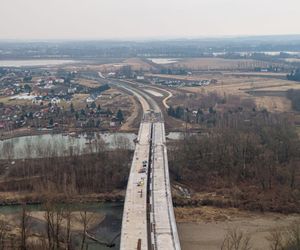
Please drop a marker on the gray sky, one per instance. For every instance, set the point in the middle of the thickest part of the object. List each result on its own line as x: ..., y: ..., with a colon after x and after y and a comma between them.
x: 99, y: 19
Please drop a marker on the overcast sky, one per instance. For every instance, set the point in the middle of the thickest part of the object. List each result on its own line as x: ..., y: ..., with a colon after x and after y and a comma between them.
x: 125, y: 19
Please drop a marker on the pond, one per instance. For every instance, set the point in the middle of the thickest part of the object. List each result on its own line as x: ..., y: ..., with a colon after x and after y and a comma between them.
x: 163, y: 60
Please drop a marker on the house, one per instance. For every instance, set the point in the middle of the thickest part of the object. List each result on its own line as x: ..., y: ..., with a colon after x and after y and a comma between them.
x: 264, y: 70
x: 72, y: 90
x: 55, y: 100
x: 61, y: 81
x: 49, y: 86
x: 90, y: 99
x: 2, y: 125
x: 8, y: 92
x: 195, y: 112
x: 114, y: 122
x: 140, y: 77
x: 37, y: 100
x: 111, y: 74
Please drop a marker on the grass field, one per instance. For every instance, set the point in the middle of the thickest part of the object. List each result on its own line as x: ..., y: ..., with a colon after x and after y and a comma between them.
x: 88, y: 83
x: 218, y: 64
x: 202, y: 64
x: 241, y: 86
x: 8, y: 101
x: 135, y: 63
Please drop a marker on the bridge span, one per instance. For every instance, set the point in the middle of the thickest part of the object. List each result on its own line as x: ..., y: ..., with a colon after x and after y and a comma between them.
x: 148, y: 216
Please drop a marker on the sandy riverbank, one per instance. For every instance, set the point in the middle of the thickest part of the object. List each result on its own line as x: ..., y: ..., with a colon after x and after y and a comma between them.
x: 205, y: 228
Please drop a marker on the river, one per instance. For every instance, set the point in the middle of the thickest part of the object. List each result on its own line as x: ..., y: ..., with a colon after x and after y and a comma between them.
x: 33, y: 63
x: 36, y: 145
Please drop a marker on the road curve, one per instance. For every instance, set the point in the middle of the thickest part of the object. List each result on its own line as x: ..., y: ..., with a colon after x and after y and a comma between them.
x: 164, y: 101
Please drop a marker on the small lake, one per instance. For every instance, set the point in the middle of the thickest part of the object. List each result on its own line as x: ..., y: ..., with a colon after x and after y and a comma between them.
x: 38, y: 146
x: 163, y: 60
x: 104, y: 231
x: 32, y: 63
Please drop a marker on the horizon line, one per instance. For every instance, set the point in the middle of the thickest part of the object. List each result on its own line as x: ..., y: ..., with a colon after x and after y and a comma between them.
x: 148, y: 39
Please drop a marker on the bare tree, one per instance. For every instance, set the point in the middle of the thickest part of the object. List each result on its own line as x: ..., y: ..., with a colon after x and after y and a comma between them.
x: 67, y: 214
x: 49, y: 223
x: 54, y: 217
x: 8, y: 150
x: 86, y: 219
x: 293, y: 236
x: 287, y: 238
x: 236, y: 240
x: 25, y: 226
x: 276, y: 239
x: 3, y: 234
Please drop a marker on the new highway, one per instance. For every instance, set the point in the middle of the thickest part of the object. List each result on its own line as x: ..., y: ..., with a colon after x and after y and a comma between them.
x: 148, y: 216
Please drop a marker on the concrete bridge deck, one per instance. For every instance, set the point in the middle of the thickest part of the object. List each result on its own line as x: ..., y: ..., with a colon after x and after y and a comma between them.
x: 148, y: 216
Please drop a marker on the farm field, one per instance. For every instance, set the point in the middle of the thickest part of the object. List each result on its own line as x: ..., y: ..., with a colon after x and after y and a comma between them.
x: 88, y: 83
x: 272, y: 98
x: 218, y: 64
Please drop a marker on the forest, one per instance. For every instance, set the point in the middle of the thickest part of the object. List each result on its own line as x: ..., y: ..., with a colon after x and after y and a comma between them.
x: 250, y: 159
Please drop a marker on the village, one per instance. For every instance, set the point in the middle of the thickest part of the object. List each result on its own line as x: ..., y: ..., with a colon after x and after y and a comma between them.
x: 36, y: 101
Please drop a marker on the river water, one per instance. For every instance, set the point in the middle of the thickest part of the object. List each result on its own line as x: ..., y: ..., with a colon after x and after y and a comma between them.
x: 37, y: 145
x: 33, y: 63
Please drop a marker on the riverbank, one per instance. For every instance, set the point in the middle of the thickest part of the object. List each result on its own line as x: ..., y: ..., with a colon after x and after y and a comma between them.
x: 199, y: 227
x: 30, y: 198
x: 204, y: 228
x: 100, y: 220
x: 74, y: 132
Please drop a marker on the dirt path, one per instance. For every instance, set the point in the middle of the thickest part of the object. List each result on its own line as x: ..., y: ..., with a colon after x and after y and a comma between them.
x: 164, y: 101
x: 129, y: 124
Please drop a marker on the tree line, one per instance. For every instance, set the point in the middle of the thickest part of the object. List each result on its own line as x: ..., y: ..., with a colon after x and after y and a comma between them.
x: 294, y: 75
x: 294, y: 96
